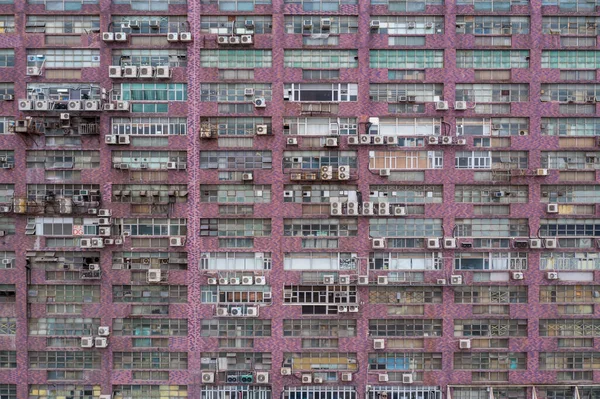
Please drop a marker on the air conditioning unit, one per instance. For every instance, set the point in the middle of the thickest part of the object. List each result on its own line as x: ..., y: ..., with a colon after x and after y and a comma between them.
x: 328, y: 279
x: 146, y: 72
x: 407, y: 378
x: 223, y: 39
x: 399, y: 211
x: 440, y: 281
x: 342, y: 309
x: 246, y: 39
x: 212, y: 281
x: 552, y: 276
x: 541, y: 172
x: 382, y: 208
x: 115, y: 71
x: 353, y: 140
x: 91, y: 105
x: 292, y: 141
x: 461, y: 142
x: 441, y: 105
x: 552, y: 208
x: 87, y: 342
x: 383, y: 378
x: 260, y: 280
x: 318, y: 380
x: 222, y: 312
x: 163, y: 72
x: 325, y: 23
x: 25, y: 105
x: 363, y: 280
x: 108, y: 36
x: 176, y: 242
x: 335, y: 208
x: 375, y: 24
x: 535, y: 243
x: 104, y: 231
x: 252, y: 311
x: 306, y: 378
x: 523, y: 132
x: 153, y: 276
x: 390, y: 140
x: 365, y: 139
x: 260, y: 102
x: 262, y: 377
x: 208, y: 378
x: 42, y: 105
x: 353, y: 309
x: 120, y: 37
x: 331, y: 142
x: 172, y: 165
x: 382, y: 280
x: 384, y: 172
x: 378, y: 243
x: 104, y: 331
x: 517, y: 276
x: 110, y: 139
x: 104, y: 221
x: 550, y: 243
x: 367, y: 208
x: 247, y: 280
x: 104, y: 213
x: 4, y: 209
x: 130, y: 72
x: 101, y: 342
x: 346, y: 377
x: 247, y: 176
x: 378, y: 140
x: 307, y: 24
x: 235, y: 281
x: 286, y: 371
x: 464, y: 344
x: 344, y: 280
x: 122, y: 105
x: 32, y: 71
x: 85, y: 243
x: 460, y: 105
x: 456, y: 279
x: 123, y: 139
x: 173, y: 37
x: 109, y: 107
x: 105, y: 397
x: 446, y: 140
x: 379, y: 343
x: 433, y: 243
x: 234, y: 40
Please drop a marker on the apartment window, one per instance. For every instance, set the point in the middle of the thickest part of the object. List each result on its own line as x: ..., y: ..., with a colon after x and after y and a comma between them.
x: 234, y: 127
x: 319, y: 328
x: 488, y: 93
x: 491, y: 195
x: 235, y: 160
x: 149, y: 293
x: 577, y: 75
x: 406, y: 194
x: 479, y: 328
x: 473, y: 160
x: 490, y: 261
x: 7, y: 125
x: 402, y: 295
x: 484, y: 392
x: 78, y: 391
x: 571, y: 5
x: 409, y: 25
x: 333, y: 361
x: 149, y: 159
x: 321, y: 5
x: 490, y: 294
x: 490, y: 361
x: 571, y: 59
x: 408, y: 74
x: 59, y: 5
x: 150, y: 5
x: 65, y: 360
x: 568, y: 360
x: 320, y: 59
x: 236, y: 328
x: 494, y: 5
x: 294, y: 24
x: 236, y: 260
x: 65, y: 326
x: 150, y: 360
x: 314, y: 126
x: 380, y: 227
x: 405, y: 328
x: 153, y: 91
x: 235, y: 227
x: 63, y: 159
x: 63, y: 58
x: 569, y: 328
x: 492, y: 126
x: 149, y: 24
x: 404, y: 261
x: 492, y: 59
x: 570, y: 92
x: 149, y: 327
x: 224, y: 295
x: 319, y: 261
x: 321, y: 92
x: 218, y: 24
x: 153, y: 57
x: 7, y: 88
x: 570, y: 261
x: 398, y: 160
x: 393, y: 93
x: 59, y: 293
x: 321, y: 74
x: 150, y: 391
x: 406, y: 6
x: 569, y: 194
x: 241, y: 361
x: 492, y: 24
x: 236, y: 58
x: 7, y: 22
x: 234, y: 92
x: 570, y: 160
x: 320, y: 294
x: 571, y: 25
x: 392, y: 361
x: 492, y: 228
x: 230, y: 193
x: 7, y: 58
x: 320, y: 227
x: 236, y: 243
x: 570, y: 227
x: 152, y: 226
x: 578, y: 42
x: 149, y: 260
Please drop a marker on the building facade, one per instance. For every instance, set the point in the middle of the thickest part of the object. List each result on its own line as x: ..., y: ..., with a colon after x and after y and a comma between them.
x: 299, y: 199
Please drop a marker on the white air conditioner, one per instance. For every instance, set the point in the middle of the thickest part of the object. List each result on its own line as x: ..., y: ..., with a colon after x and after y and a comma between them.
x: 261, y: 130
x: 346, y: 377
x: 541, y: 172
x: 110, y: 139
x: 212, y: 281
x: 246, y: 39
x: 378, y: 243
x: 173, y: 37
x: 456, y: 279
x: 146, y: 72
x: 87, y: 342
x: 342, y: 309
x: 384, y: 172
x: 25, y: 105
x: 329, y: 279
x: 115, y: 71
x: 104, y: 221
x: 365, y: 139
x: 325, y: 23
x: 460, y: 105
x: 353, y: 140
x: 306, y: 378
x: 449, y: 243
x: 91, y: 105
x: 307, y: 24
x: 464, y: 344
x: 331, y: 142
x: 208, y: 378
x: 552, y: 276
x: 552, y: 208
x: 292, y: 141
x: 375, y: 24
x: 109, y: 107
x: 440, y: 281
x: 446, y: 140
x: 42, y: 105
x: 432, y: 140
x: 260, y: 280
x: 154, y: 276
x: 104, y: 231
x: 176, y: 242
x: 550, y: 243
x: 382, y: 209
x: 108, y: 36
x: 363, y: 280
x: 120, y: 37
x: 399, y: 211
x: 391, y: 140
x: 247, y: 176
x: 247, y: 280
x: 344, y: 280
x: 252, y: 311
x: 407, y: 378
x: 461, y: 142
x: 104, y: 331
x: 32, y: 71
x: 379, y: 343
x: 285, y: 371
x: 535, y: 243
x: 382, y: 280
x: 383, y: 378
x: 517, y: 276
x: 123, y: 139
x: 122, y: 105
x: 260, y: 102
x: 234, y: 40
x: 262, y: 377
x: 101, y: 342
x: 85, y: 243
x: 130, y: 72
x: 172, y: 165
x: 318, y: 380
x: 223, y: 40
x: 163, y: 72
x: 367, y: 208
x: 378, y: 140
x: 222, y: 312
x: 104, y: 213
x: 441, y: 105
x: 235, y: 281
x: 185, y: 37
x: 433, y: 243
